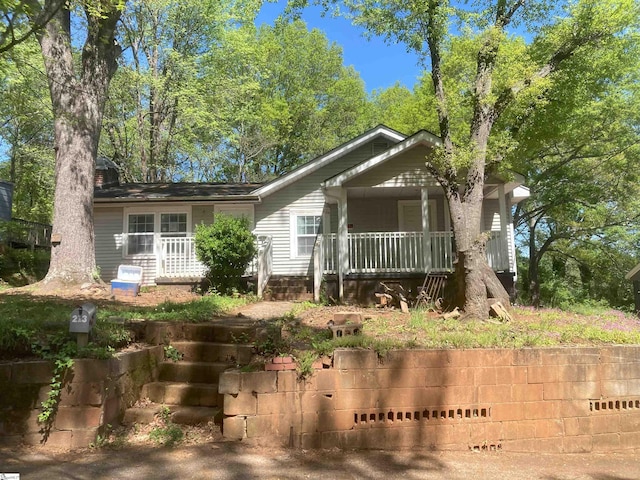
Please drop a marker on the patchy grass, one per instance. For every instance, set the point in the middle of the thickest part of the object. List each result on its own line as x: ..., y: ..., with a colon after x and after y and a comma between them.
x: 36, y: 326
x: 530, y: 328
x: 387, y: 330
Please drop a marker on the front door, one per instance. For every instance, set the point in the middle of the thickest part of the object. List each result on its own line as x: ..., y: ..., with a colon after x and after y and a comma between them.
x: 410, y: 215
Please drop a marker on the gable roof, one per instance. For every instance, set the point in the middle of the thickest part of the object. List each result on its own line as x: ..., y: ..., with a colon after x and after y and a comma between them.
x: 322, y: 160
x: 421, y: 137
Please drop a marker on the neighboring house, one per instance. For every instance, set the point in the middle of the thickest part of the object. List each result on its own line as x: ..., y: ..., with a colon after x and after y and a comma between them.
x: 634, y: 276
x: 6, y: 197
x: 365, y: 211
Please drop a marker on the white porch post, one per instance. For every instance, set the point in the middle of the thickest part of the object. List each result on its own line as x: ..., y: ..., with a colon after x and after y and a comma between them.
x: 343, y: 244
x: 504, y: 247
x: 426, y: 236
x: 318, y: 267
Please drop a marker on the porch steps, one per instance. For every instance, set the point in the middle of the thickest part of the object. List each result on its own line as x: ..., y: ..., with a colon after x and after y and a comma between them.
x: 235, y: 353
x: 289, y: 288
x: 189, y: 387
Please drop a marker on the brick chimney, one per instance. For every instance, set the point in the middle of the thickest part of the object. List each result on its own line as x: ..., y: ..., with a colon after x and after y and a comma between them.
x: 106, y: 173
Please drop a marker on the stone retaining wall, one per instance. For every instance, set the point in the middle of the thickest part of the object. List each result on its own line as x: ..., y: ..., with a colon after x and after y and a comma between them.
x: 529, y: 400
x: 95, y: 394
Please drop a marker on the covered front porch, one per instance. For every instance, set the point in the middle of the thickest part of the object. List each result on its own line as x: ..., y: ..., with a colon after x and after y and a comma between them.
x: 417, y: 236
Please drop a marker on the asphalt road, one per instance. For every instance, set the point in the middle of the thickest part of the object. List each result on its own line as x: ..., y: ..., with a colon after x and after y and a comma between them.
x: 237, y: 461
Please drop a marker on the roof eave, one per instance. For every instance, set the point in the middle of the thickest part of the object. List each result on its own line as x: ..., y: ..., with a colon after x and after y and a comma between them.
x: 209, y: 198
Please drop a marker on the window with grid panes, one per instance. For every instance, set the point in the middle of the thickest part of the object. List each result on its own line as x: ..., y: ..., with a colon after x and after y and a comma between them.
x: 140, y: 234
x: 307, y: 227
x: 173, y: 224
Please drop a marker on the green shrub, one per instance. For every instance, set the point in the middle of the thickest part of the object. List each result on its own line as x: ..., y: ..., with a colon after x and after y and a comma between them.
x: 226, y: 248
x: 22, y: 266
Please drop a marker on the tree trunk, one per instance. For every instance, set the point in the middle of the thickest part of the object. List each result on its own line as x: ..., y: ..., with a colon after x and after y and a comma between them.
x: 78, y: 104
x: 475, y: 280
x: 534, y: 280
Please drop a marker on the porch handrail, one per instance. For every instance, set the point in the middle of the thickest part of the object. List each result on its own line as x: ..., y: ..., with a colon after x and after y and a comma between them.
x: 265, y: 262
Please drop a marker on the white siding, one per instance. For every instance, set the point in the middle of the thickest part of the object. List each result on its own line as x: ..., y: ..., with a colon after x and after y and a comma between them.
x: 406, y: 170
x: 273, y: 215
x: 108, y: 223
x: 201, y: 214
x: 491, y: 222
x: 372, y: 215
x: 109, y: 238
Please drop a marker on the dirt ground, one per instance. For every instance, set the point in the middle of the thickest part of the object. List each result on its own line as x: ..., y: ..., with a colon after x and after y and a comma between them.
x: 236, y: 460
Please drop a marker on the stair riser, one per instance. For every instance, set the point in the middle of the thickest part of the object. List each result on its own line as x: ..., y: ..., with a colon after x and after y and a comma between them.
x: 158, y: 333
x: 179, y: 415
x: 184, y: 394
x: 190, y: 373
x: 219, y: 333
x: 210, y: 352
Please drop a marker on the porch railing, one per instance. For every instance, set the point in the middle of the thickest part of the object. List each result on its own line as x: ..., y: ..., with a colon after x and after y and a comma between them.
x: 178, y: 258
x: 25, y: 233
x: 382, y: 252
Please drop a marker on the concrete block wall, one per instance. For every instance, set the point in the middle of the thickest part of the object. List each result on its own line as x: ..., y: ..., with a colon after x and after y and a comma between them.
x: 582, y: 399
x: 95, y: 394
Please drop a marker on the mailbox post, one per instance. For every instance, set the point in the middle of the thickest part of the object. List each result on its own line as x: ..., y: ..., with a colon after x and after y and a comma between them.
x: 81, y: 322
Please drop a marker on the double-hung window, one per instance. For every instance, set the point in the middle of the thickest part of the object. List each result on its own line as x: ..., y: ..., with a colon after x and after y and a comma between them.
x: 306, y: 228
x: 173, y: 224
x: 145, y: 229
x: 140, y: 234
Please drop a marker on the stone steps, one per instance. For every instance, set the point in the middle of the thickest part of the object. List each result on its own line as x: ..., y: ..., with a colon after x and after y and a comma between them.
x: 196, y: 351
x: 192, y: 372
x: 180, y: 414
x: 235, y: 331
x: 189, y: 387
x: 178, y: 393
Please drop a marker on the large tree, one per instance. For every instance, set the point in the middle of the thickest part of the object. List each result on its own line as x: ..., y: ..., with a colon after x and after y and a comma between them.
x: 463, y: 161
x: 157, y: 119
x: 294, y: 99
x: 26, y: 132
x: 78, y: 89
x: 580, y: 155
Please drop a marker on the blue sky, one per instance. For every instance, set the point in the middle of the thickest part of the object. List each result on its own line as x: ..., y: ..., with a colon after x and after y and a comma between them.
x: 380, y: 65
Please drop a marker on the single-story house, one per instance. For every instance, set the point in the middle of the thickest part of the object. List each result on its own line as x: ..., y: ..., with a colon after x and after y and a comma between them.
x: 364, y: 211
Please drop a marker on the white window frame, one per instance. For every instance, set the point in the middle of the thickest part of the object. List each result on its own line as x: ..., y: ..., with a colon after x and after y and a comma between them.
x: 156, y: 211
x: 294, y: 229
